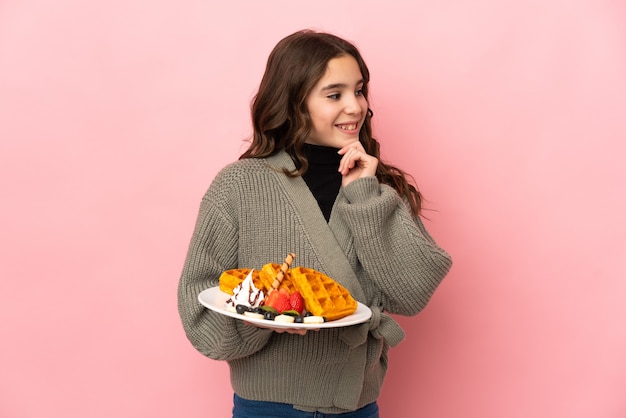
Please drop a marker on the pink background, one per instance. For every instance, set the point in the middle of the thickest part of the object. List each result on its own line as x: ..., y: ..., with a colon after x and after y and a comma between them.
x: 115, y: 116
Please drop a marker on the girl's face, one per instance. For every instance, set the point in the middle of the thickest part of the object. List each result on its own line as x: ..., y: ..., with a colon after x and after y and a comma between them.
x: 336, y: 104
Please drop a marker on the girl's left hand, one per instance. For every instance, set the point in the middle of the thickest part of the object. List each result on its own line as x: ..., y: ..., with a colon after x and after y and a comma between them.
x: 356, y: 163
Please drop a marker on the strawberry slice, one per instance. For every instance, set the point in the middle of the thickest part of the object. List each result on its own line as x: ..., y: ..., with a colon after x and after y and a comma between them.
x: 279, y: 300
x: 271, y: 299
x: 297, y: 302
x: 282, y: 303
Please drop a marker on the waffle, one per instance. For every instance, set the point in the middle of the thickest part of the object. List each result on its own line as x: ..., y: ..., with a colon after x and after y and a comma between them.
x: 268, y: 274
x: 322, y: 295
x: 230, y: 279
x: 262, y: 279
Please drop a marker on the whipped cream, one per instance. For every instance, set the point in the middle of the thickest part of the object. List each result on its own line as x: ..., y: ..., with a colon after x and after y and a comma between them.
x: 246, y: 293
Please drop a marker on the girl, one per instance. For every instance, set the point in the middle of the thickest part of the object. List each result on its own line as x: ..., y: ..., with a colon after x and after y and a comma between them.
x: 311, y: 183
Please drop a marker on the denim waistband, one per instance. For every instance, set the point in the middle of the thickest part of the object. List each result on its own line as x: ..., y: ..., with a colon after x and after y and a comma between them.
x: 245, y: 408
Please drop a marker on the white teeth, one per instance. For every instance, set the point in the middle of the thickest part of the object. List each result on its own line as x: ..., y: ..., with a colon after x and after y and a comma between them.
x: 347, y: 127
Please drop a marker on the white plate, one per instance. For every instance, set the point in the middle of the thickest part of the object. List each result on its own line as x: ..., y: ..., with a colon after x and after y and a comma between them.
x: 215, y: 300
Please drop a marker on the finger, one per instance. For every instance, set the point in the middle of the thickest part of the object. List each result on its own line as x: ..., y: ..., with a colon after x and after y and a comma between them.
x: 351, y: 153
x: 346, y: 163
x: 299, y: 331
x: 354, y: 145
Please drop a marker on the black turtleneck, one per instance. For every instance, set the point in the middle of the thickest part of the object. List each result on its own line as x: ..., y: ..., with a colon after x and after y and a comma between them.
x: 322, y: 176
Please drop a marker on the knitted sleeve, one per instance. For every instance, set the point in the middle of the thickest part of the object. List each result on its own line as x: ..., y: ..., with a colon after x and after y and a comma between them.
x: 395, y: 252
x: 211, y: 251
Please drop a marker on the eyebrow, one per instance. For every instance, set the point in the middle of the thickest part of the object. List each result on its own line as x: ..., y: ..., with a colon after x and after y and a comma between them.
x: 340, y: 85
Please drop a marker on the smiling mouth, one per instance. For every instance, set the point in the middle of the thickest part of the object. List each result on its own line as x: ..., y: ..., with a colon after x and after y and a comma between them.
x: 350, y: 127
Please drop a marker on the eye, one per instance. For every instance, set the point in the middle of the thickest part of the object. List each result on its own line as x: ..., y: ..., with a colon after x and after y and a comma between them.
x: 359, y: 92
x: 334, y: 96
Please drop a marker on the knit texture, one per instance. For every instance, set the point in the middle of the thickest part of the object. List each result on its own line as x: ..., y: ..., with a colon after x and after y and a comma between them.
x: 253, y: 214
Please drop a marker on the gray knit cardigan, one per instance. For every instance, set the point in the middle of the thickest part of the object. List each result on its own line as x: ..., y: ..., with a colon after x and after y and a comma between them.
x: 253, y: 214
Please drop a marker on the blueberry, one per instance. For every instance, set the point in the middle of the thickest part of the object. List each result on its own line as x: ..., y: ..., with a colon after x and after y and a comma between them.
x: 241, y: 309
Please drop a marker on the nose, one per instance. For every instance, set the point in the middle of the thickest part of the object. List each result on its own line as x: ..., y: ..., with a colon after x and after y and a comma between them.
x: 352, y: 105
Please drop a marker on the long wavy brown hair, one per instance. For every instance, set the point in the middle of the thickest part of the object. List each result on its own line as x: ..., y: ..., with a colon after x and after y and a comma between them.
x: 280, y: 116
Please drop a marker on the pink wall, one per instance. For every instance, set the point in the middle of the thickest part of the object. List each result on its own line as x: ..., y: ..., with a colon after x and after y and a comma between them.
x: 115, y: 116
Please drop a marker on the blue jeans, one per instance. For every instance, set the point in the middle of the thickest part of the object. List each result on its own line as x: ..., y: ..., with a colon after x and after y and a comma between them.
x: 245, y: 408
